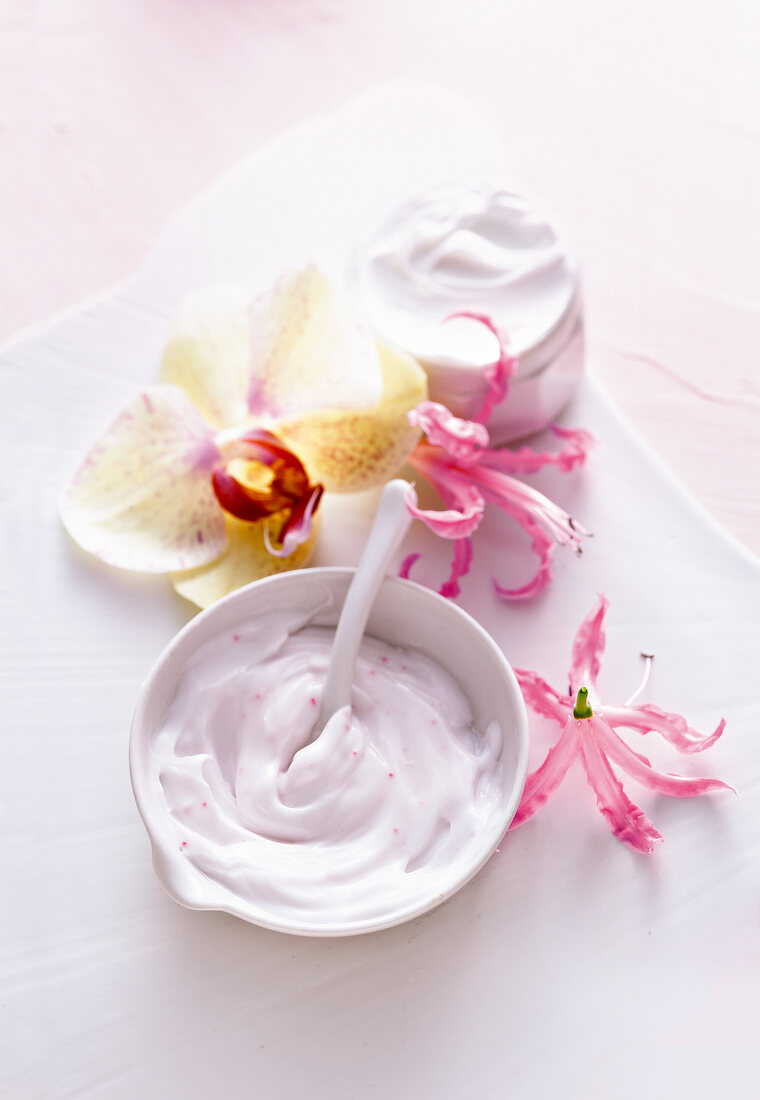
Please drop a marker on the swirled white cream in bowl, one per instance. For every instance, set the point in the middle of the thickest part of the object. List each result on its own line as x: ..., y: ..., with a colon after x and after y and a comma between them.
x: 486, y: 251
x: 389, y: 811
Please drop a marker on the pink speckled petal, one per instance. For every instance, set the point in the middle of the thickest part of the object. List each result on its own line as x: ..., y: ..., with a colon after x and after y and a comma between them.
x: 246, y: 559
x: 588, y: 647
x: 527, y: 461
x: 627, y: 822
x: 641, y: 770
x: 309, y: 351
x: 463, y: 441
x: 541, y: 783
x: 675, y: 729
x: 207, y: 353
x: 542, y: 698
x: 142, y: 499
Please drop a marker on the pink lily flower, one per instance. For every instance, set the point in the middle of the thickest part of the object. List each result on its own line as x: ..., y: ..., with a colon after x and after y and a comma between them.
x: 456, y: 459
x: 592, y: 735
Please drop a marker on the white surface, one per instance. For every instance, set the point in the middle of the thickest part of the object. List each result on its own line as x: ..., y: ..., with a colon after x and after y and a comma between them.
x: 569, y: 965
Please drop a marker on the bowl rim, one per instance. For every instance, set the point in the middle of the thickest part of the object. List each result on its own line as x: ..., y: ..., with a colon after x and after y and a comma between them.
x: 225, y: 900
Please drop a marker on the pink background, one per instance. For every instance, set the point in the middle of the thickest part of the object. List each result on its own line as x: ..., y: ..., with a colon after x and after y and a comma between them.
x: 640, y: 130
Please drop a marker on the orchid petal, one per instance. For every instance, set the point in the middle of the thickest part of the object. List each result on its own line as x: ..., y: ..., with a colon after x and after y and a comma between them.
x: 308, y: 351
x: 527, y: 461
x: 639, y: 768
x: 352, y: 450
x: 588, y: 647
x: 674, y: 728
x: 541, y: 783
x: 297, y: 527
x: 246, y: 559
x: 207, y: 353
x: 541, y: 697
x: 464, y: 441
x: 627, y: 822
x: 142, y: 498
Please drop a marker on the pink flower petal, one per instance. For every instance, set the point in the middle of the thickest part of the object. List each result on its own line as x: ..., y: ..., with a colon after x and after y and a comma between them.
x: 308, y: 351
x: 588, y: 647
x: 639, y: 768
x: 541, y: 697
x: 541, y: 783
x: 527, y: 461
x: 142, y: 499
x: 627, y: 821
x: 465, y: 510
x: 542, y: 520
x: 406, y: 565
x: 456, y: 491
x: 464, y: 441
x: 498, y: 374
x: 460, y: 567
x: 675, y: 729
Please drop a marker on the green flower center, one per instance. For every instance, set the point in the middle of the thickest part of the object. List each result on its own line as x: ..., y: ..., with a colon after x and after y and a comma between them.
x: 581, y: 708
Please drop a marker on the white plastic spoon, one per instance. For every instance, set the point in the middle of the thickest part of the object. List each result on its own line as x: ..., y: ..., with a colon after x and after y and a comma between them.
x: 391, y: 523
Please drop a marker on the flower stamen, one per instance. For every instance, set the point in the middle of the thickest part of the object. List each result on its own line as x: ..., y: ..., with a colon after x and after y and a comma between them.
x: 648, y: 658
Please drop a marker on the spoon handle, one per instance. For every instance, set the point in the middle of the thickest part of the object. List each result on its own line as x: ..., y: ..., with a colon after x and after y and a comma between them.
x: 391, y: 523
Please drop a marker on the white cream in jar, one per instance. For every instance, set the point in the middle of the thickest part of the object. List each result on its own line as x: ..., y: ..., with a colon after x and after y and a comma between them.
x: 390, y: 804
x: 487, y: 251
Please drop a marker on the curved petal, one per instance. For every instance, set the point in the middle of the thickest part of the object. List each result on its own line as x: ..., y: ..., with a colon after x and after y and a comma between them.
x: 296, y: 530
x: 464, y: 501
x: 460, y: 567
x: 675, y: 729
x: 541, y: 697
x: 207, y: 353
x: 405, y: 568
x: 527, y: 461
x: 309, y: 351
x: 498, y: 374
x: 543, y: 546
x: 627, y: 821
x: 639, y: 769
x: 464, y: 441
x: 526, y: 506
x: 541, y: 783
x: 246, y: 559
x: 142, y: 499
x: 588, y: 647
x: 348, y: 451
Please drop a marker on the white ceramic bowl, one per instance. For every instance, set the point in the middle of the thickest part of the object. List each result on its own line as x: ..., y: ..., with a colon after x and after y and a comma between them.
x: 405, y: 614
